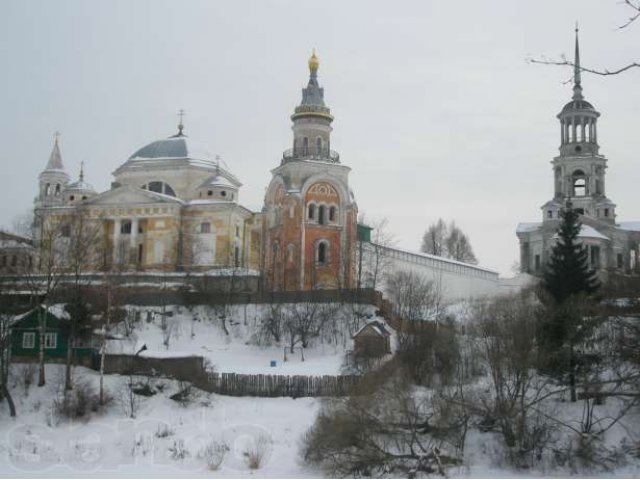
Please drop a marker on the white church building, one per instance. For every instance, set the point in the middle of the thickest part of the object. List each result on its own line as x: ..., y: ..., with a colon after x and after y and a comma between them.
x: 579, y: 178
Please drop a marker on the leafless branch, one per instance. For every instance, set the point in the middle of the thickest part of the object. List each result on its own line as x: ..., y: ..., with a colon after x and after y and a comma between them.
x: 636, y: 8
x: 567, y: 63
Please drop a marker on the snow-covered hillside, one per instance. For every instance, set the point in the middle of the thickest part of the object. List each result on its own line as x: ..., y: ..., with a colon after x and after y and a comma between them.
x: 199, y: 331
x: 167, y: 439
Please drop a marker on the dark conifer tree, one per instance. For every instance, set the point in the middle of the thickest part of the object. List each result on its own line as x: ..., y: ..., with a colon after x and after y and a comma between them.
x: 566, y: 321
x: 568, y: 272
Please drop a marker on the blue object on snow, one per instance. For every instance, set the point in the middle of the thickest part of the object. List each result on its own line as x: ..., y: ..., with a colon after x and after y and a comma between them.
x: 273, y: 363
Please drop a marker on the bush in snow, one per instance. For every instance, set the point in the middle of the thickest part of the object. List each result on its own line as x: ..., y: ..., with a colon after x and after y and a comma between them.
x: 256, y: 451
x: 164, y: 430
x: 78, y: 402
x: 178, y: 451
x: 213, y: 453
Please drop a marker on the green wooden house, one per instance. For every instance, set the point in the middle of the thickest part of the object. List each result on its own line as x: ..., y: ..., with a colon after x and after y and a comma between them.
x: 25, y: 338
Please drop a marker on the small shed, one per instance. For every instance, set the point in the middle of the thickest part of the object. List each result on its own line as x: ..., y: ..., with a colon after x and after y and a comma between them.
x: 25, y: 337
x: 372, y: 340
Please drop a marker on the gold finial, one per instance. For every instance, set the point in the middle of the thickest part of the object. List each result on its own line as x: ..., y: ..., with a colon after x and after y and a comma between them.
x: 314, y: 63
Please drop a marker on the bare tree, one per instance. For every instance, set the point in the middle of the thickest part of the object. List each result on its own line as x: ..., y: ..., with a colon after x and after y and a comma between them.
x: 84, y: 253
x: 374, y: 260
x: 6, y: 317
x: 458, y: 246
x: 414, y: 297
x: 449, y: 241
x: 434, y: 239
x: 389, y: 431
x: 51, y: 241
x: 506, y: 328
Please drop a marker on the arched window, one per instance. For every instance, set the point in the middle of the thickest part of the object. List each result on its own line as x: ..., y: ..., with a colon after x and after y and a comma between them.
x: 159, y: 187
x: 305, y: 146
x: 321, y: 219
x: 332, y: 214
x: 312, y: 211
x: 47, y: 189
x: 579, y: 184
x: 57, y: 189
x: 205, y: 227
x: 319, y: 146
x: 290, y: 253
x: 322, y: 253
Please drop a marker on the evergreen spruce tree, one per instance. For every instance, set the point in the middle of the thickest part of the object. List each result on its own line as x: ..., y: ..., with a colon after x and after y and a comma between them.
x: 566, y: 320
x: 568, y: 272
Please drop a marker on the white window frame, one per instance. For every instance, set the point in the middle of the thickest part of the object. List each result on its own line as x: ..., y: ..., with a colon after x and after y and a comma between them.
x: 32, y: 340
x: 50, y: 340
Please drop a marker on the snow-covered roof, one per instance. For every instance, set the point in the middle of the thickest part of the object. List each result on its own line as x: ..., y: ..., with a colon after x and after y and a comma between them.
x: 588, y: 232
x: 629, y: 226
x: 376, y: 326
x: 525, y: 227
x: 219, y: 181
x: 173, y: 147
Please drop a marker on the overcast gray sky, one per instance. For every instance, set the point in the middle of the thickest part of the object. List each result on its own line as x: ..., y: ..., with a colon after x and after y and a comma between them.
x: 436, y: 110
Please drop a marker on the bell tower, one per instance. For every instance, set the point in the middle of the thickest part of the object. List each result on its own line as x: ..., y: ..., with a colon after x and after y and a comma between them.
x: 310, y: 212
x: 579, y: 170
x: 53, y: 179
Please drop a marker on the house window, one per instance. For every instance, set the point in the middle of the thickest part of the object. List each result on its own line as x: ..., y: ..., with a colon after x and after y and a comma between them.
x: 606, y: 212
x: 50, y: 340
x: 72, y: 198
x: 65, y: 231
x: 125, y: 227
x: 620, y: 261
x: 537, y: 263
x: 549, y: 214
x: 210, y: 193
x: 312, y: 211
x: 319, y: 146
x: 205, y: 227
x: 305, y: 146
x: 28, y: 340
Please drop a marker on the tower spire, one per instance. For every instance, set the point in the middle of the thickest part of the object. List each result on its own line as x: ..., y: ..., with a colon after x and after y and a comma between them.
x: 180, y: 124
x: 577, y: 81
x: 55, y: 159
x: 82, y: 171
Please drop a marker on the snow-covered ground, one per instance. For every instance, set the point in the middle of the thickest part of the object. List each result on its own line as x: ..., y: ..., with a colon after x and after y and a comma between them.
x: 36, y: 444
x: 199, y: 331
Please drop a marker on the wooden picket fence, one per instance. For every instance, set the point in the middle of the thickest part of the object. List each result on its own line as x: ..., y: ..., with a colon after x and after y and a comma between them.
x: 259, y: 385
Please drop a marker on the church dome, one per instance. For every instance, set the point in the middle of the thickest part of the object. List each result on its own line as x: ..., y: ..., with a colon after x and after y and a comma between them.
x: 578, y: 105
x: 80, y: 186
x: 177, y: 146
